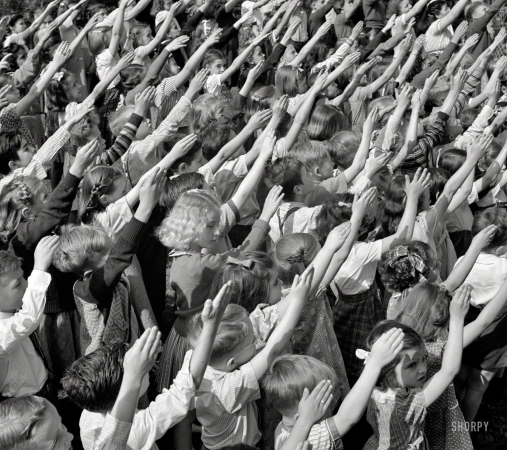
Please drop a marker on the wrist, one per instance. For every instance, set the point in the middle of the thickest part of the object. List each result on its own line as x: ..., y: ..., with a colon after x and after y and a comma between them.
x: 41, y: 266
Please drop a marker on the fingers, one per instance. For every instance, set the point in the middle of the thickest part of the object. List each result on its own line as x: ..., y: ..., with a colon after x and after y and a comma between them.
x: 223, y: 297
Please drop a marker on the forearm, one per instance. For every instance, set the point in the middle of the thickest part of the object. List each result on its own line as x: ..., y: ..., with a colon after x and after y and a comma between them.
x: 305, y: 51
x: 461, y: 271
x: 201, y: 354
x: 451, y: 360
x: 250, y: 182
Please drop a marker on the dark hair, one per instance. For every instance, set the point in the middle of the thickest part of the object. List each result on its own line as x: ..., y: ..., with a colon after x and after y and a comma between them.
x: 131, y: 76
x: 93, y: 381
x: 439, y: 177
x: 177, y: 186
x: 14, y: 18
x: 411, y: 339
x: 285, y: 172
x: 451, y: 160
x: 170, y: 142
x: 10, y: 143
x: 401, y: 275
x: 334, y: 212
x: 467, y: 117
x: 250, y: 286
x: 492, y: 216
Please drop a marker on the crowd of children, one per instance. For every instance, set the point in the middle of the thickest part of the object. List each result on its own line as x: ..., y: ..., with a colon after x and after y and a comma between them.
x: 259, y: 224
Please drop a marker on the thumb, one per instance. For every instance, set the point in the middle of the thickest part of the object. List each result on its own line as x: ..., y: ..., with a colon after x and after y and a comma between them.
x: 306, y: 394
x: 206, y: 312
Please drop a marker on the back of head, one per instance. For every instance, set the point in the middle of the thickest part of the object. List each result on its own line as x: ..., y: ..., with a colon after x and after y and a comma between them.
x: 16, y: 205
x: 387, y: 378
x: 293, y: 254
x: 187, y: 219
x: 132, y: 76
x: 335, y: 211
x: 439, y: 178
x: 324, y: 123
x: 439, y: 92
x: 260, y: 98
x: 168, y: 144
x: 175, y: 187
x: 492, y: 216
x: 20, y: 420
x: 289, y: 375
x: 402, y: 267
x: 394, y: 205
x: 77, y: 245
x: 285, y: 172
x: 286, y: 81
x: 56, y: 93
x: 250, y: 278
x: 346, y: 144
x: 452, y: 160
x: 119, y: 118
x: 10, y: 144
x: 232, y: 331
x: 310, y: 153
x: 93, y: 381
x: 98, y: 40
x: 80, y: 132
x: 97, y: 182
x: 426, y: 310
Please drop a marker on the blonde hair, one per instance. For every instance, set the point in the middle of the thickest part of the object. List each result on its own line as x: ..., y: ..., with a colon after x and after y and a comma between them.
x: 187, y: 219
x: 232, y: 331
x: 311, y: 154
x: 135, y: 33
x: 207, y: 108
x: 293, y: 254
x: 286, y: 81
x: 77, y: 245
x: 119, y: 118
x: 98, y: 41
x: 288, y: 377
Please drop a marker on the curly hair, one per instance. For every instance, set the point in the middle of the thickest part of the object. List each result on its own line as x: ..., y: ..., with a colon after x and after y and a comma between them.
x: 250, y: 285
x: 285, y: 172
x: 56, y: 93
x: 492, y: 216
x: 10, y: 144
x: 400, y: 275
x: 16, y: 206
x: 80, y: 132
x: 187, y: 219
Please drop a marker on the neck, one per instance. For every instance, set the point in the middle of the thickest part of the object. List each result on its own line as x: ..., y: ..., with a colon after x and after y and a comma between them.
x: 298, y: 198
x: 194, y: 247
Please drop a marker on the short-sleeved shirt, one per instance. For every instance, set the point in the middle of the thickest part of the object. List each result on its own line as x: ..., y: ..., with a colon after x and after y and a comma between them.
x: 436, y: 38
x: 225, y: 406
x: 303, y: 220
x: 322, y: 436
x: 357, y: 273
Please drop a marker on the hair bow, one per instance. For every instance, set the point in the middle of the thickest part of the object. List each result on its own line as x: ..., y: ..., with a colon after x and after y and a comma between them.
x: 58, y: 76
x: 346, y: 205
x: 205, y: 28
x: 246, y: 263
x: 363, y: 354
x: 415, y: 260
x: 295, y: 258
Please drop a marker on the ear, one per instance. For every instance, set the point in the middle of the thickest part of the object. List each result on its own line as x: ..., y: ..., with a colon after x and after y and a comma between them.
x: 316, y: 171
x: 231, y: 363
x: 103, y: 199
x: 182, y: 168
x: 13, y: 164
x: 298, y: 189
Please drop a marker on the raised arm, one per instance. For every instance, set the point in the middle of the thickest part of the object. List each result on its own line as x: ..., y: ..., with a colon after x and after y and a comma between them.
x: 38, y: 22
x: 149, y: 48
x: 118, y: 28
x: 453, y: 14
x: 305, y: 51
x: 285, y: 19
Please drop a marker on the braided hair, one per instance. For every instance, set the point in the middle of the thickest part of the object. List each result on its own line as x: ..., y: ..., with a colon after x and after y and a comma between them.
x: 97, y: 182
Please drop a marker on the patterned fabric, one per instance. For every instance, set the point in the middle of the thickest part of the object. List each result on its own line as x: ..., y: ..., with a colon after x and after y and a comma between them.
x: 314, y: 336
x: 173, y: 355
x: 214, y: 86
x: 354, y: 318
x: 397, y: 418
x: 445, y: 425
x: 9, y: 121
x: 415, y: 260
x: 59, y: 339
x: 322, y: 436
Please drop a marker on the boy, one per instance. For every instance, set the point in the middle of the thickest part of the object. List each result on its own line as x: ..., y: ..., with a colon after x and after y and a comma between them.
x: 93, y: 383
x: 22, y: 369
x: 225, y: 404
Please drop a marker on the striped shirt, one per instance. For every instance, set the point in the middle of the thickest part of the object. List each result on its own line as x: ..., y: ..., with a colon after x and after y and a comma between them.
x: 42, y: 160
x: 226, y: 409
x: 323, y: 436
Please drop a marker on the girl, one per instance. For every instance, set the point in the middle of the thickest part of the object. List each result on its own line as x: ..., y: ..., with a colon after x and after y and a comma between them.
x: 358, y: 306
x: 484, y: 357
x: 430, y: 222
x: 290, y: 81
x: 398, y: 405
x: 193, y: 225
x: 429, y: 304
x: 215, y: 62
x: 441, y: 17
x: 325, y: 122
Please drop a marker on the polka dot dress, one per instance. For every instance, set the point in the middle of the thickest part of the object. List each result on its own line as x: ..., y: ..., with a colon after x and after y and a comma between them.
x: 445, y: 425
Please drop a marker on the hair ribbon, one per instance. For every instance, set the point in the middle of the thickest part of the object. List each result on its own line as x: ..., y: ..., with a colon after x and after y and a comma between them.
x: 58, y: 76
x: 246, y: 263
x: 415, y: 260
x: 206, y: 28
x: 346, y: 205
x: 363, y: 354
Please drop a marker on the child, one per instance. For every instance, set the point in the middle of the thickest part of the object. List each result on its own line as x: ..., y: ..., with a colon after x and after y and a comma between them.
x: 93, y: 382
x: 24, y: 369
x: 225, y: 403
x: 102, y: 294
x: 358, y: 306
x: 290, y: 379
x: 397, y: 408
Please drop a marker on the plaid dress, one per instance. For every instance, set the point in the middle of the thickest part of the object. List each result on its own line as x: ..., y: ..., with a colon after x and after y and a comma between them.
x: 354, y: 318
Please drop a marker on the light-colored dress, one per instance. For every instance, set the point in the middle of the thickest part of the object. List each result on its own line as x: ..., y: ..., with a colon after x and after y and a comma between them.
x: 397, y: 418
x: 445, y: 425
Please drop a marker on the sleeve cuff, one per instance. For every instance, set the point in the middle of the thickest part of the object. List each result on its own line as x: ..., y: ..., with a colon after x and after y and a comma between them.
x: 333, y: 430
x: 39, y: 280
x: 235, y: 210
